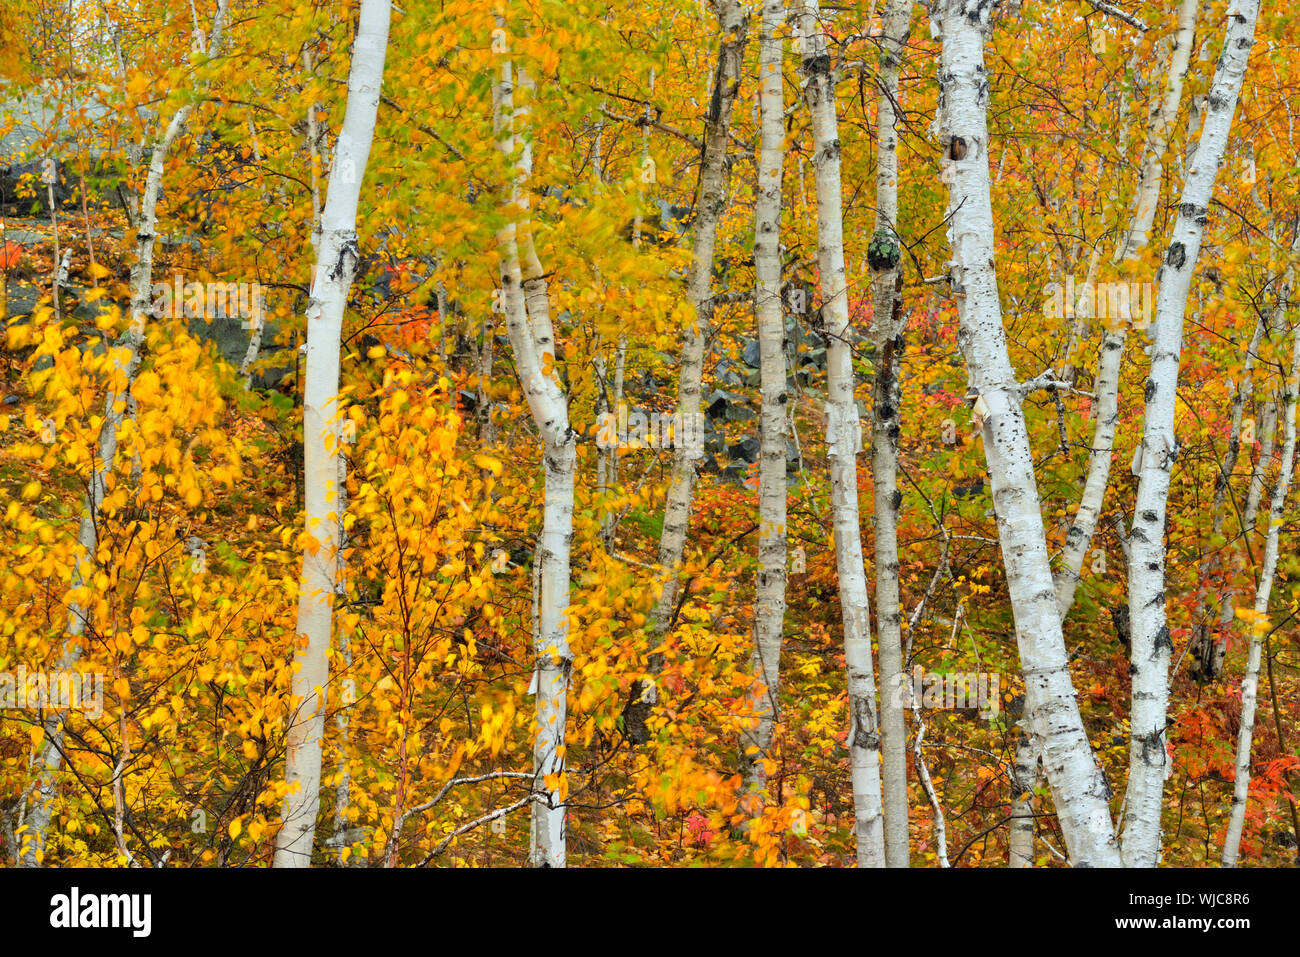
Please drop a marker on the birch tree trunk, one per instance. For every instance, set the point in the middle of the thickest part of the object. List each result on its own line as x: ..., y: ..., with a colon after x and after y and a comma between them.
x: 715, y: 174
x: 1148, y: 192
x: 887, y: 329
x: 528, y: 323
x: 1052, y: 715
x: 1079, y: 538
x: 1151, y: 644
x: 35, y: 823
x: 1267, y: 437
x: 1250, y: 681
x: 1201, y: 648
x: 769, y: 599
x: 844, y: 441
x: 1020, y: 851
x: 1267, y: 433
x: 336, y: 263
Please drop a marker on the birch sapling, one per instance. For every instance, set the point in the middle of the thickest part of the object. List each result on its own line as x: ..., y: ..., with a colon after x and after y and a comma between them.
x: 336, y: 264
x: 1110, y: 355
x: 1259, y: 622
x: 715, y: 174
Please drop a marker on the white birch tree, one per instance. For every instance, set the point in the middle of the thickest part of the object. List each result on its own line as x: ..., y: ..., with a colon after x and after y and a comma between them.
x: 336, y: 264
x: 844, y: 442
x: 887, y: 329
x: 1259, y: 621
x: 715, y: 175
x: 1052, y: 716
x: 1111, y: 352
x: 769, y: 599
x: 528, y: 323
x: 1151, y: 644
x: 33, y: 821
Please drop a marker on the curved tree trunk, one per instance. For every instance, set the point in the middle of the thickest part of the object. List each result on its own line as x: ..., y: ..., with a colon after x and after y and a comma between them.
x: 1079, y: 538
x: 1250, y: 681
x: 715, y: 174
x: 532, y: 340
x: 35, y: 822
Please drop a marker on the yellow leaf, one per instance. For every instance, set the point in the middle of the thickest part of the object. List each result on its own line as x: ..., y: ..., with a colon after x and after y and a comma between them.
x: 493, y: 465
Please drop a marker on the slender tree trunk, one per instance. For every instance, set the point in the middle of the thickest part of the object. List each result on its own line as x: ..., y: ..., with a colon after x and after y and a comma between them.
x: 336, y: 263
x: 1078, y: 786
x: 887, y: 328
x: 715, y: 173
x: 1203, y: 643
x: 1267, y: 438
x: 1148, y: 192
x: 342, y: 835
x: 1268, y: 571
x: 528, y: 322
x: 1110, y: 357
x: 1250, y: 681
x: 1151, y: 644
x: 844, y: 441
x: 1021, y: 841
x: 35, y: 823
x: 769, y: 598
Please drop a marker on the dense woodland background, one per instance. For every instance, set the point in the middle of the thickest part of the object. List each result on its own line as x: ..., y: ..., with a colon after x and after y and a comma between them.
x: 982, y: 311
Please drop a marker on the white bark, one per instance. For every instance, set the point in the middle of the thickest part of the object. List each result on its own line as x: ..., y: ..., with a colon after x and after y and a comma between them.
x: 714, y: 176
x: 1267, y: 437
x: 1151, y: 643
x: 258, y: 319
x: 769, y: 598
x: 844, y: 441
x: 1148, y: 191
x: 1202, y: 645
x: 1250, y: 681
x: 1051, y: 711
x: 126, y: 364
x: 923, y: 772
x: 528, y: 322
x: 887, y: 329
x: 1079, y: 538
x: 1025, y: 776
x: 336, y: 263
